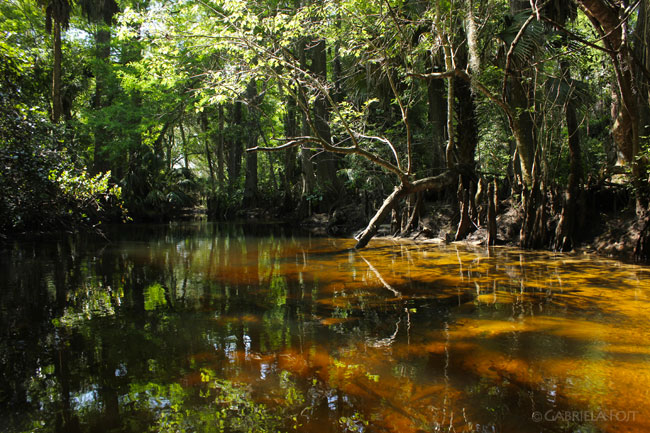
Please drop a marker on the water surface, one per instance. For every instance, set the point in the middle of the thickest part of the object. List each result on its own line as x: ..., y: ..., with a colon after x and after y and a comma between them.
x: 205, y: 327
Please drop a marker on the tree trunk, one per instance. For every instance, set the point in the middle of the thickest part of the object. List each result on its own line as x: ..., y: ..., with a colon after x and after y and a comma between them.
x: 411, y: 213
x: 523, y: 130
x: 533, y: 231
x: 521, y: 101
x: 439, y: 182
x: 492, y: 213
x: 606, y: 20
x: 250, y: 183
x: 519, y: 96
x: 465, y: 225
x: 466, y: 144
x: 220, y: 149
x: 102, y: 52
x: 207, y: 138
x: 437, y: 115
x: 325, y: 162
x: 185, y: 146
x: 234, y: 166
x: 289, y: 174
x: 564, y: 234
x: 57, y: 101
x: 480, y: 198
x: 641, y: 38
x: 381, y: 214
x: 642, y: 248
x: 307, y: 175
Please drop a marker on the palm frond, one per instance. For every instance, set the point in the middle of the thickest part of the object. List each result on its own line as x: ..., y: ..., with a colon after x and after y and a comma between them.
x: 532, y: 40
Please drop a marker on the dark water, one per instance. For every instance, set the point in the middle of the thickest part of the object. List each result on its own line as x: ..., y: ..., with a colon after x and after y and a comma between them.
x: 208, y: 328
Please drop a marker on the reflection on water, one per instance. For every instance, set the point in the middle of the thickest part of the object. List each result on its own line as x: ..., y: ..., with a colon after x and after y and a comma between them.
x: 204, y: 327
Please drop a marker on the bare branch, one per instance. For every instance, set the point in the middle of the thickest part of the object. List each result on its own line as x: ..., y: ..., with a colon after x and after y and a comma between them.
x: 383, y: 140
x: 434, y: 75
x: 511, y: 50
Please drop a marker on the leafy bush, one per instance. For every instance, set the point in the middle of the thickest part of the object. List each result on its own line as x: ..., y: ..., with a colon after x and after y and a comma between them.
x: 42, y: 187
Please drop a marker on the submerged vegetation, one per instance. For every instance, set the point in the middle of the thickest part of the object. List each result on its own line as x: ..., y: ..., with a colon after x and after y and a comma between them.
x: 365, y: 111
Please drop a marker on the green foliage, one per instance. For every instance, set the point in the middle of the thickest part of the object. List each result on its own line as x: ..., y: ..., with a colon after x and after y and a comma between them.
x: 167, y: 111
x: 223, y: 406
x: 43, y: 188
x: 87, y: 197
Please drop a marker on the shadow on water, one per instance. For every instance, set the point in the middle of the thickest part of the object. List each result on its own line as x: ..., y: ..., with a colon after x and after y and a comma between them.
x: 206, y: 327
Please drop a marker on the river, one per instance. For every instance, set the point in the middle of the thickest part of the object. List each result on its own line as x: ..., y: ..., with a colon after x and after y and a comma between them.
x: 203, y: 327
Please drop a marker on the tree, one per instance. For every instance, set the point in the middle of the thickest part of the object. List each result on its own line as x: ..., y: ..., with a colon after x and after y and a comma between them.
x: 57, y: 19
x: 100, y: 12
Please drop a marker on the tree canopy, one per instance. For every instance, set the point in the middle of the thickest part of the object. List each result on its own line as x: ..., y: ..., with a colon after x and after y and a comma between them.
x: 366, y: 111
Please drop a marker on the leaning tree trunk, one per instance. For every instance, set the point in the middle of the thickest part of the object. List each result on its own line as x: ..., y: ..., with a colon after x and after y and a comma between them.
x: 381, y: 215
x: 435, y: 183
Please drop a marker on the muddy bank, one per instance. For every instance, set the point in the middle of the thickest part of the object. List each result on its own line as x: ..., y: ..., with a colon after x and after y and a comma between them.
x: 609, y: 232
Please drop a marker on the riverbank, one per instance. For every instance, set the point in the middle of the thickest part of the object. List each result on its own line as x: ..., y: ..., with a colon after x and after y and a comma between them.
x: 612, y: 233
x: 609, y: 232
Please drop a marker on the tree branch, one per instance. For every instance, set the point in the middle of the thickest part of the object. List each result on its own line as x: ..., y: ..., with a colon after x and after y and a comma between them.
x: 511, y: 50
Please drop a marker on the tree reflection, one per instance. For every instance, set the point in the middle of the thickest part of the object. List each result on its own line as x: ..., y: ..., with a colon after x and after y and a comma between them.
x: 206, y: 328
